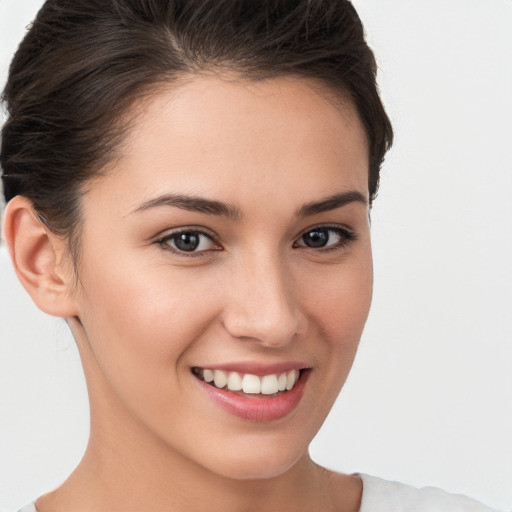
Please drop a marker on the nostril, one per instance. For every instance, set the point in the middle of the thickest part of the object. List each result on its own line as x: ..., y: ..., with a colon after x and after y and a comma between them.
x: 268, y: 333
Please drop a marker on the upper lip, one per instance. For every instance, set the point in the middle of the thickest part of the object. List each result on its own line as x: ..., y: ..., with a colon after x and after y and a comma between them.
x: 255, y: 368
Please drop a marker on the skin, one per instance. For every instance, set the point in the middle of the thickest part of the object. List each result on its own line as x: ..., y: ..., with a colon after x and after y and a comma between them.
x: 143, y: 314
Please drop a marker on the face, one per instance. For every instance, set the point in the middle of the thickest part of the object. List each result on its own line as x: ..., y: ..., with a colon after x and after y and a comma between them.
x: 229, y: 242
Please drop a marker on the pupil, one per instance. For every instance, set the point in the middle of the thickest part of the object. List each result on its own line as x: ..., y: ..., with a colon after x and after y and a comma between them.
x: 187, y: 241
x: 316, y: 238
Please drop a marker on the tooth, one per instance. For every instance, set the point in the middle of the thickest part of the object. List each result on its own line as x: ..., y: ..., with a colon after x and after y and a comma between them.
x: 251, y: 383
x: 207, y: 375
x: 234, y: 381
x: 291, y: 378
x: 220, y: 378
x: 269, y: 385
x: 281, y: 382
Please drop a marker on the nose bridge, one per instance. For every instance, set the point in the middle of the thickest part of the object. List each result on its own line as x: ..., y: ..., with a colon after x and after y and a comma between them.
x: 264, y: 305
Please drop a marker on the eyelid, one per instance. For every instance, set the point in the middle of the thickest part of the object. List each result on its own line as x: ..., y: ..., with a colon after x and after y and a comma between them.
x: 334, y: 226
x: 186, y: 229
x: 348, y: 235
x: 167, y: 235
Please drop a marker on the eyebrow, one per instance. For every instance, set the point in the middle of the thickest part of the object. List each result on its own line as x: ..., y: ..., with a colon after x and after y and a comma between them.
x: 212, y: 207
x: 193, y: 204
x: 331, y: 203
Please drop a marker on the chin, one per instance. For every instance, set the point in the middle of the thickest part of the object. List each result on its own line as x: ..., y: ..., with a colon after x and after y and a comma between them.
x: 257, y: 464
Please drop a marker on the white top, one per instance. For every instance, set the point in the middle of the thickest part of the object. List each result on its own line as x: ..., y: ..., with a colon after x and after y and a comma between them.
x: 384, y: 496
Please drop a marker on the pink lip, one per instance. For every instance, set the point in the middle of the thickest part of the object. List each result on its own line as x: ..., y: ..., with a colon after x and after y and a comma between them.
x: 257, y: 409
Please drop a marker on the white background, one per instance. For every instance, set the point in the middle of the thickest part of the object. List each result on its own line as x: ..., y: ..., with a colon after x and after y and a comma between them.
x: 429, y: 400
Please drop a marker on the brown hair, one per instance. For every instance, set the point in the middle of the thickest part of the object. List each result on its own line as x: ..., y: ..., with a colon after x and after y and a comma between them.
x: 83, y: 63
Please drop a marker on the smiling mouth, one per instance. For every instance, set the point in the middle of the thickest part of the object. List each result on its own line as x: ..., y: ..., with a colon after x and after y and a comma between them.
x: 248, y: 384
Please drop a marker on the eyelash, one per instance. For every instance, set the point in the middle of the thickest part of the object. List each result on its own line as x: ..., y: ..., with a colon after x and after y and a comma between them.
x: 164, y: 242
x: 346, y: 235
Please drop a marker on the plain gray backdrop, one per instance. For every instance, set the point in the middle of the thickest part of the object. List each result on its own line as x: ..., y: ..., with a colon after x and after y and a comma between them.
x: 429, y: 398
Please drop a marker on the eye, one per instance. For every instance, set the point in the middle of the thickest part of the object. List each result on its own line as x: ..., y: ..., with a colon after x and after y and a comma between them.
x: 188, y: 241
x: 326, y: 237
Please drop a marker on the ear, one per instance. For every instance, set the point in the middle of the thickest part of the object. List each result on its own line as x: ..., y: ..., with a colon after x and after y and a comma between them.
x: 38, y: 256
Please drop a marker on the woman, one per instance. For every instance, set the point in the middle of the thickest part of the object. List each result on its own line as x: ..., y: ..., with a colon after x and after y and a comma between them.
x: 188, y: 184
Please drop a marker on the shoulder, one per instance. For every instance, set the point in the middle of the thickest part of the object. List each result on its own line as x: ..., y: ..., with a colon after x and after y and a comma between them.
x: 384, y: 496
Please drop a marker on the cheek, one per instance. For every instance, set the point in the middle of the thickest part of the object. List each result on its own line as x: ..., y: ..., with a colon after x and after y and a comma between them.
x: 343, y: 302
x: 339, y: 312
x: 144, y: 318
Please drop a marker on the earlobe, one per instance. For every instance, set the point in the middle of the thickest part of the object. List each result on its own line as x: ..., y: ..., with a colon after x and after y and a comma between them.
x: 37, y: 256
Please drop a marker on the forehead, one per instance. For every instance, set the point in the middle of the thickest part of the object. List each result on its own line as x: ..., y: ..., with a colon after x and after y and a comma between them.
x: 236, y: 138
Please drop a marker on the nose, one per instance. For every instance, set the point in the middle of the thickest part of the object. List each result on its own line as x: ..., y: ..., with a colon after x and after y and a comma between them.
x: 263, y: 303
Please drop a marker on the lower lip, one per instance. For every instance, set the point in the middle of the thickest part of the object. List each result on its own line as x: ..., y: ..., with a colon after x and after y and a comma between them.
x: 258, y: 409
